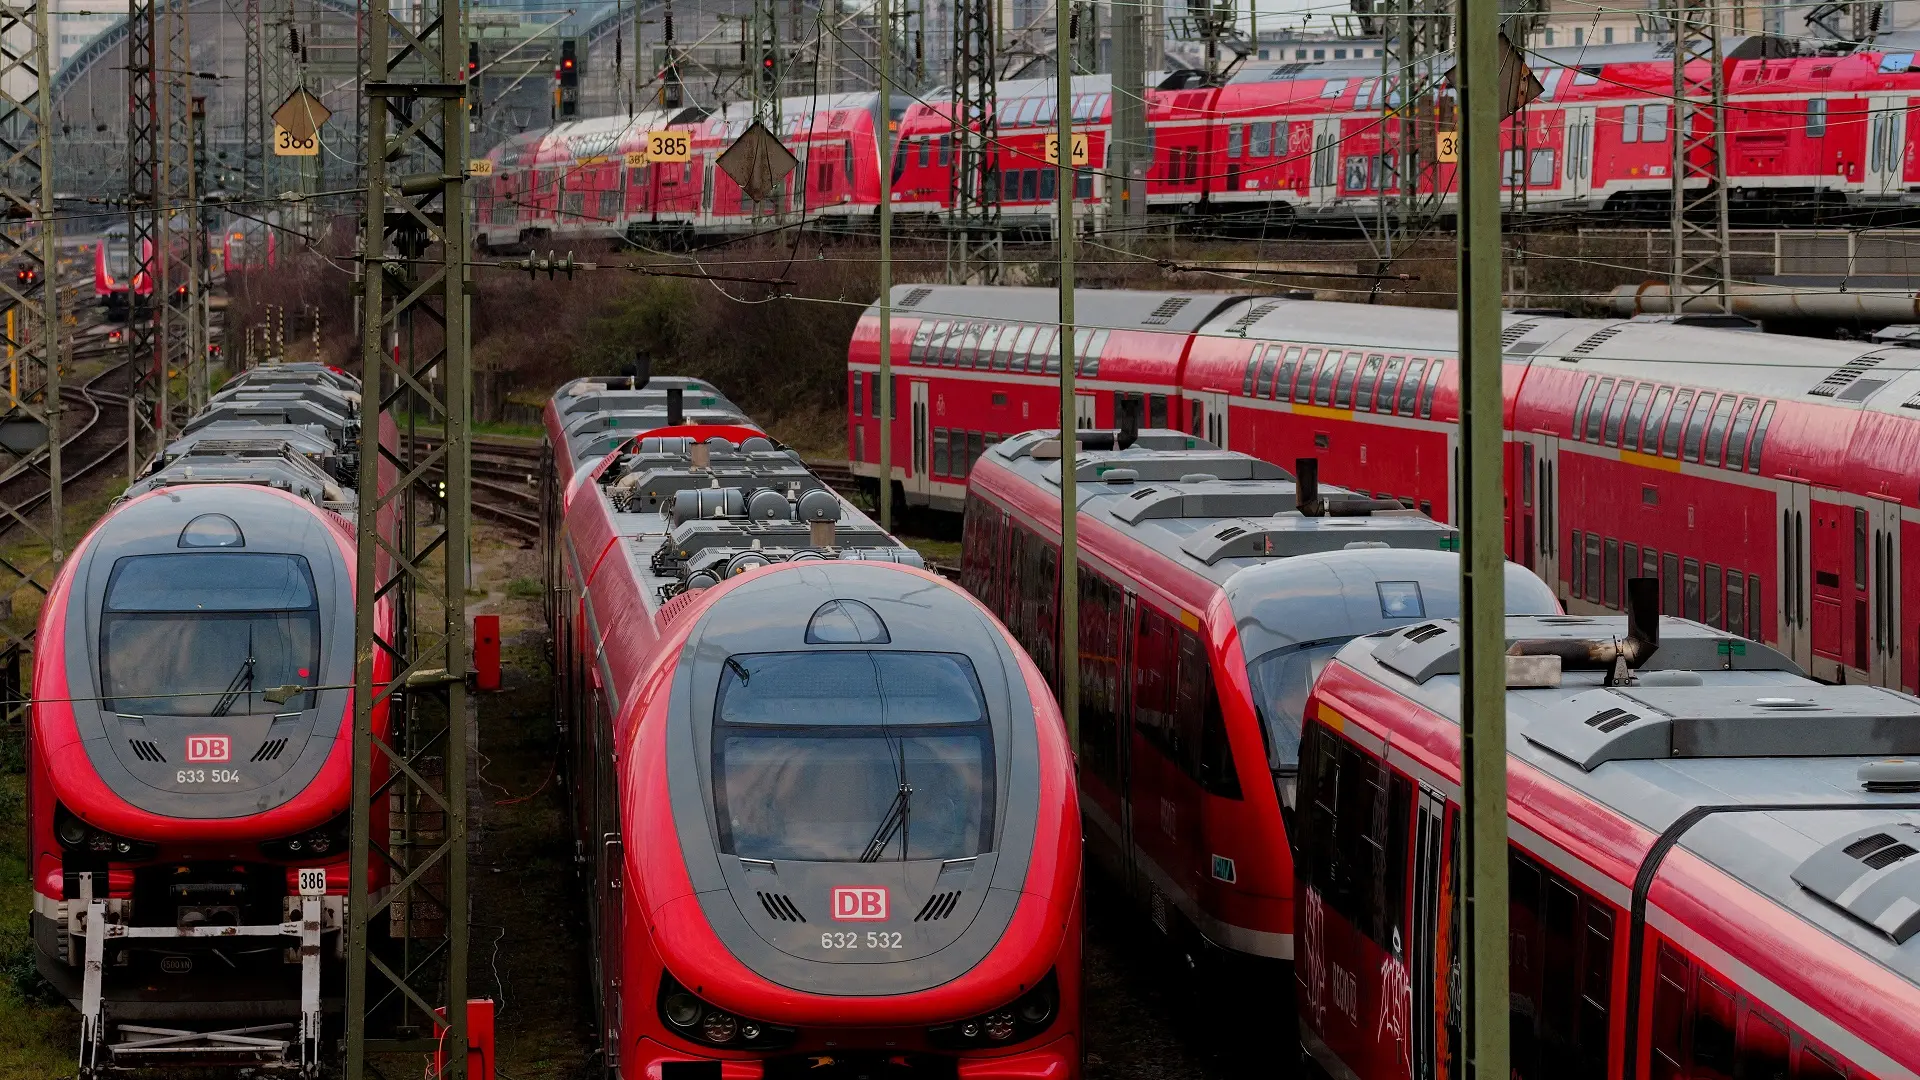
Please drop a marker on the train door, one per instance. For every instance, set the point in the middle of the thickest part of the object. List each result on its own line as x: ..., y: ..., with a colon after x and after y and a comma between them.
x: 1083, y: 414
x: 1886, y: 146
x: 1579, y: 151
x: 1326, y: 157
x: 1209, y: 417
x: 1792, y: 602
x: 1430, y: 961
x: 918, y: 480
x: 1129, y: 873
x: 1884, y: 517
x: 1539, y: 507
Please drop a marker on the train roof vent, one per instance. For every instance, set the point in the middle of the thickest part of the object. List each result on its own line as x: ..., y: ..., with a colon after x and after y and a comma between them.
x: 1289, y: 534
x: 1168, y: 308
x: 780, y: 906
x: 1167, y: 468
x: 1844, y: 375
x: 1873, y: 876
x: 913, y: 297
x: 1429, y: 649
x: 1254, y: 314
x: 1515, y: 332
x: 1212, y: 500
x: 1647, y: 723
x: 1285, y: 71
x: 1594, y: 340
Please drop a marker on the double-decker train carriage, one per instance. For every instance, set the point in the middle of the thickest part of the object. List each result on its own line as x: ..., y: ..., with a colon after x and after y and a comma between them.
x: 1711, y: 858
x: 1766, y: 480
x: 825, y: 803
x: 1212, y: 588
x: 188, y: 785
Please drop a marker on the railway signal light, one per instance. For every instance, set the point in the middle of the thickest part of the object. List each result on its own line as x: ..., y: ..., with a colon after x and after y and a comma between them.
x: 473, y: 59
x: 568, y: 76
x: 769, y: 71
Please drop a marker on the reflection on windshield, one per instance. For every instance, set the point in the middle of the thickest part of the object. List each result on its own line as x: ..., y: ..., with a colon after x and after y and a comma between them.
x: 811, y: 750
x: 1281, y: 680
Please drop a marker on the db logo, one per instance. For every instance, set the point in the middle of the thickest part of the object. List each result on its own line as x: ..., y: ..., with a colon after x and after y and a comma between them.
x: 209, y: 748
x: 863, y: 904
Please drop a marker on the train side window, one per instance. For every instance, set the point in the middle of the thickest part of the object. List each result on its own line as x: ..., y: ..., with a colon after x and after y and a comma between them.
x: 1560, y: 986
x: 1717, y: 429
x: 1816, y: 118
x: 1610, y: 572
x: 1630, y: 124
x: 1676, y: 422
x: 1154, y: 659
x: 1656, y: 419
x: 1100, y: 609
x: 1629, y: 565
x: 1301, y: 388
x: 1736, y: 603
x: 1323, y: 382
x: 1022, y: 345
x: 1253, y: 366
x: 990, y: 354
x: 1636, y: 416
x: 1575, y: 577
x: 1045, y: 358
x: 1813, y: 1065
x: 1283, y: 382
x: 1859, y: 548
x: 1369, y: 375
x: 1697, y: 426
x: 1760, y: 1053
x: 1157, y: 410
x: 1756, y: 624
x: 1343, y: 387
x: 1202, y: 731
x: 1670, y: 1015
x: 859, y: 395
x: 1759, y: 436
x: 976, y: 445
x: 917, y: 352
x: 1595, y: 568
x: 937, y: 344
x: 1523, y: 965
x: 1580, y: 408
x: 1737, y: 435
x: 1713, y: 1011
x: 1596, y: 992
x: 1428, y: 388
x: 1653, y: 124
x: 1095, y: 347
x: 1670, y: 584
x: 1650, y: 563
x: 1712, y: 614
x: 1690, y: 589
x: 940, y: 458
x: 1597, y: 410
x: 1264, y: 387
x: 1390, y: 383
x: 1617, y: 413
x: 1410, y: 386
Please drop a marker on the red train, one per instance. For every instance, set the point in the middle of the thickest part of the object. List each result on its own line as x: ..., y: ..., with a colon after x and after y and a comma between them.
x: 117, y: 282
x: 1275, y: 143
x: 248, y: 245
x: 824, y: 801
x: 188, y: 784
x: 1212, y: 588
x: 1711, y: 860
x: 1766, y: 481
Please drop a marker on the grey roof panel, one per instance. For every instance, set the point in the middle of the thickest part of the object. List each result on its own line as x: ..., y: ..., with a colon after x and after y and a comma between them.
x: 1112, y: 309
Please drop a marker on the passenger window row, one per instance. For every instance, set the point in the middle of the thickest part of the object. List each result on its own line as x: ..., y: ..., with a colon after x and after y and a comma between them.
x: 954, y: 452
x: 1353, y: 379
x: 982, y: 345
x: 1726, y: 430
x: 1598, y: 567
x: 1706, y: 1029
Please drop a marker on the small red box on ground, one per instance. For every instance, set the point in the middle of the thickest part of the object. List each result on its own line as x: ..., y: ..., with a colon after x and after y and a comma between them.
x: 486, y: 651
x: 479, y: 1041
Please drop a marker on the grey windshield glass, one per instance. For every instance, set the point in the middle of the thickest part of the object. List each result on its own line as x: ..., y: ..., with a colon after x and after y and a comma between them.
x: 200, y: 635
x: 815, y: 752
x: 1280, y: 681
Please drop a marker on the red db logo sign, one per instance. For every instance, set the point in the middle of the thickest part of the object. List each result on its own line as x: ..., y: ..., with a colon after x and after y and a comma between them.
x: 865, y: 903
x: 209, y: 748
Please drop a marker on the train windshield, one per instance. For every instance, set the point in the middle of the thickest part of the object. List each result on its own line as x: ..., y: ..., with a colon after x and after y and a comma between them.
x: 116, y: 255
x: 208, y: 634
x: 1280, y: 681
x: 852, y: 756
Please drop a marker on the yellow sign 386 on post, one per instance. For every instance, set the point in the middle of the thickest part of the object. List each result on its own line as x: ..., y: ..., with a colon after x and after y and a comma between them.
x: 285, y: 145
x: 669, y: 146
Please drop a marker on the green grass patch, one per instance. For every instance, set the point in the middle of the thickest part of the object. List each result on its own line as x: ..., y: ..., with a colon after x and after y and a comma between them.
x: 38, y: 1033
x: 526, y: 588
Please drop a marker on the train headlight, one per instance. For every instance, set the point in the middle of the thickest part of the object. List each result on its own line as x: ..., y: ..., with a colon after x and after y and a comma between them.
x: 78, y: 836
x: 693, y: 1019
x: 71, y: 830
x: 1025, y: 1018
x: 328, y: 839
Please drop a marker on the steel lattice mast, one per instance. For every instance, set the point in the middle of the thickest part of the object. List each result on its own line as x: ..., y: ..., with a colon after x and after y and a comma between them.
x: 253, y: 111
x: 32, y: 326
x: 144, y: 362
x: 415, y: 364
x: 173, y: 309
x: 1702, y: 250
x: 974, y: 253
x: 1417, y: 34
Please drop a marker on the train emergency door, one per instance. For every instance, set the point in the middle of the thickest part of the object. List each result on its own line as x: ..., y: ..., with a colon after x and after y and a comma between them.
x: 1792, y: 623
x: 1886, y: 145
x: 917, y: 478
x: 1883, y: 594
x: 1536, y: 501
x: 1578, y: 163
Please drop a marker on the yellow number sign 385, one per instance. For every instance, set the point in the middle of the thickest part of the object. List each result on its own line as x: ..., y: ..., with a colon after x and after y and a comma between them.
x: 669, y: 146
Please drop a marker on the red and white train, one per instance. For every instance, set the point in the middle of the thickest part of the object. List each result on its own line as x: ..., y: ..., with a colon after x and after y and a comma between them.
x: 189, y: 775
x: 1212, y: 588
x: 1767, y: 481
x: 1714, y: 862
x: 1276, y: 142
x: 118, y: 284
x: 824, y: 801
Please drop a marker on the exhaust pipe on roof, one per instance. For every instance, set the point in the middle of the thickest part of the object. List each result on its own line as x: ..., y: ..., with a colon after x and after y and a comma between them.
x: 1617, y: 658
x: 642, y: 369
x: 1306, y: 488
x: 1129, y: 422
x: 676, y: 408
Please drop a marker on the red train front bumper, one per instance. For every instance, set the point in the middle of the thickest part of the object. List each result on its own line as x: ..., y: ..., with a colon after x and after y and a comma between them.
x: 1055, y: 1060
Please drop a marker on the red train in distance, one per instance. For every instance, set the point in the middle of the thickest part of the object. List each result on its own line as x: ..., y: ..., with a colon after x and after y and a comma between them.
x: 1212, y: 588
x: 1766, y: 481
x: 1712, y: 860
x: 1809, y: 138
x: 189, y: 775
x: 118, y: 284
x: 248, y: 245
x: 791, y: 872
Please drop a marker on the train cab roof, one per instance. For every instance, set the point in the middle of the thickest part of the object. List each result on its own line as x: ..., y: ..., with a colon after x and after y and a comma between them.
x: 1719, y: 729
x: 1216, y: 513
x: 293, y: 427
x: 1110, y: 309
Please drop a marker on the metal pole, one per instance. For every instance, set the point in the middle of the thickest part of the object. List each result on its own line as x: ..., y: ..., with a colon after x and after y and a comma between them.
x: 1069, y: 436
x: 1483, y: 729
x: 883, y: 132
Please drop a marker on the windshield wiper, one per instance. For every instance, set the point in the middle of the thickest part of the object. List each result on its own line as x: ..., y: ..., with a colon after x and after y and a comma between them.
x: 894, y: 822
x: 241, y: 683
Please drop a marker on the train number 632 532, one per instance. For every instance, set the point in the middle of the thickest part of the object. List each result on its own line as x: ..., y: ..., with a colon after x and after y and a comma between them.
x: 851, y: 939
